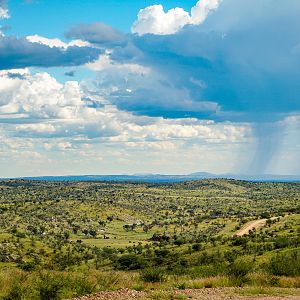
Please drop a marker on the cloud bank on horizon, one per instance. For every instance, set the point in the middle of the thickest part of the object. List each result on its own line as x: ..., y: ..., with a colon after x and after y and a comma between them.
x: 216, y: 88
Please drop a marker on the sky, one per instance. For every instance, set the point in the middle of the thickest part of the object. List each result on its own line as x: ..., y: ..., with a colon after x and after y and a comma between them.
x: 149, y: 86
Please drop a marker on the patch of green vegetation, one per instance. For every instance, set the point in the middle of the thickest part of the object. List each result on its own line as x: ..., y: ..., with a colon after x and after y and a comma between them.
x: 180, y: 235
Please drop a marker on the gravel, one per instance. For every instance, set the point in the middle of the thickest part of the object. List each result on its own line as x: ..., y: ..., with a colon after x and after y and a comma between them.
x: 196, y: 294
x: 121, y: 294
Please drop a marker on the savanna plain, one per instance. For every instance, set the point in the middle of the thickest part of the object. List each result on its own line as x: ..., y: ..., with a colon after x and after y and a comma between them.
x: 207, y: 239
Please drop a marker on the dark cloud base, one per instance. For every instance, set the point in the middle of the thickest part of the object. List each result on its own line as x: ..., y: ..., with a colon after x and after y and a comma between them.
x: 20, y: 53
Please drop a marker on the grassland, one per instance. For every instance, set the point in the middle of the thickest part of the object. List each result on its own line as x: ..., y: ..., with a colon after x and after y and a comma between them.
x: 86, y: 237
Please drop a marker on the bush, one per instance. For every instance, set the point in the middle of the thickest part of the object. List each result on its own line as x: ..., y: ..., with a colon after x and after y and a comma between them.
x: 196, y: 247
x: 49, y: 286
x: 179, y: 242
x: 285, y: 263
x: 15, y: 292
x: 281, y: 242
x: 241, y: 267
x: 83, y: 285
x: 265, y: 215
x: 27, y: 266
x: 131, y: 262
x: 106, y: 281
x: 162, y: 252
x: 17, y: 286
x: 181, y: 286
x: 153, y: 275
x: 208, y: 270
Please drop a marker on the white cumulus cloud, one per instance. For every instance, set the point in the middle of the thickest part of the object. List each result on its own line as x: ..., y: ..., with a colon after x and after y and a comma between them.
x: 37, y: 105
x: 202, y: 9
x: 38, y: 95
x: 56, y: 42
x: 153, y: 19
x: 41, y: 117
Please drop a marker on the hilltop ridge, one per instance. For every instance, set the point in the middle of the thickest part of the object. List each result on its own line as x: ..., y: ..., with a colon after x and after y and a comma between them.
x: 148, y: 177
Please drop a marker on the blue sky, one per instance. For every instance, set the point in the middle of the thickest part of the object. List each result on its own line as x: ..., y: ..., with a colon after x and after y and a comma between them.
x: 110, y: 87
x: 52, y: 18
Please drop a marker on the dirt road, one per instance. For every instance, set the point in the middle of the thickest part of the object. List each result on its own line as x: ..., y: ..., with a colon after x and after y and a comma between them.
x: 251, y: 225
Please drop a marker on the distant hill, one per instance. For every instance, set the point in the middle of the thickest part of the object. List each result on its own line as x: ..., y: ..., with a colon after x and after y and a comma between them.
x: 156, y: 178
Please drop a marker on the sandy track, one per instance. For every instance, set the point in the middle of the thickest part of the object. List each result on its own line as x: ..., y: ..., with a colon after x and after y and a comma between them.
x: 251, y: 225
x: 196, y: 294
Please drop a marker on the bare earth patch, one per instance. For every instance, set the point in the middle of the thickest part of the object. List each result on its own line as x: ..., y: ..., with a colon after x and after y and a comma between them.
x: 254, y: 224
x: 121, y: 294
x: 196, y: 294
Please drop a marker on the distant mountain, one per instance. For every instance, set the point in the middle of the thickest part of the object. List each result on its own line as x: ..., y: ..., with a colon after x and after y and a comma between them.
x: 133, y: 178
x: 202, y: 174
x: 167, y: 178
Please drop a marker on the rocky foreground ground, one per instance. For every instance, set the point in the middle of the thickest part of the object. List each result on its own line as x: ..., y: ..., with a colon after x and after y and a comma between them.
x: 207, y: 294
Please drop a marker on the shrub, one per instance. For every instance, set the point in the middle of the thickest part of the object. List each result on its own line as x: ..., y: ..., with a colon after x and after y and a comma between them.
x: 106, y: 281
x: 130, y: 262
x: 49, y: 286
x: 181, y: 286
x: 208, y: 270
x: 15, y: 292
x: 265, y: 215
x: 196, y: 247
x: 281, y: 242
x: 83, y: 285
x: 179, y: 242
x: 285, y: 263
x: 17, y: 286
x: 27, y: 266
x: 162, y: 252
x: 241, y: 267
x: 153, y: 275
